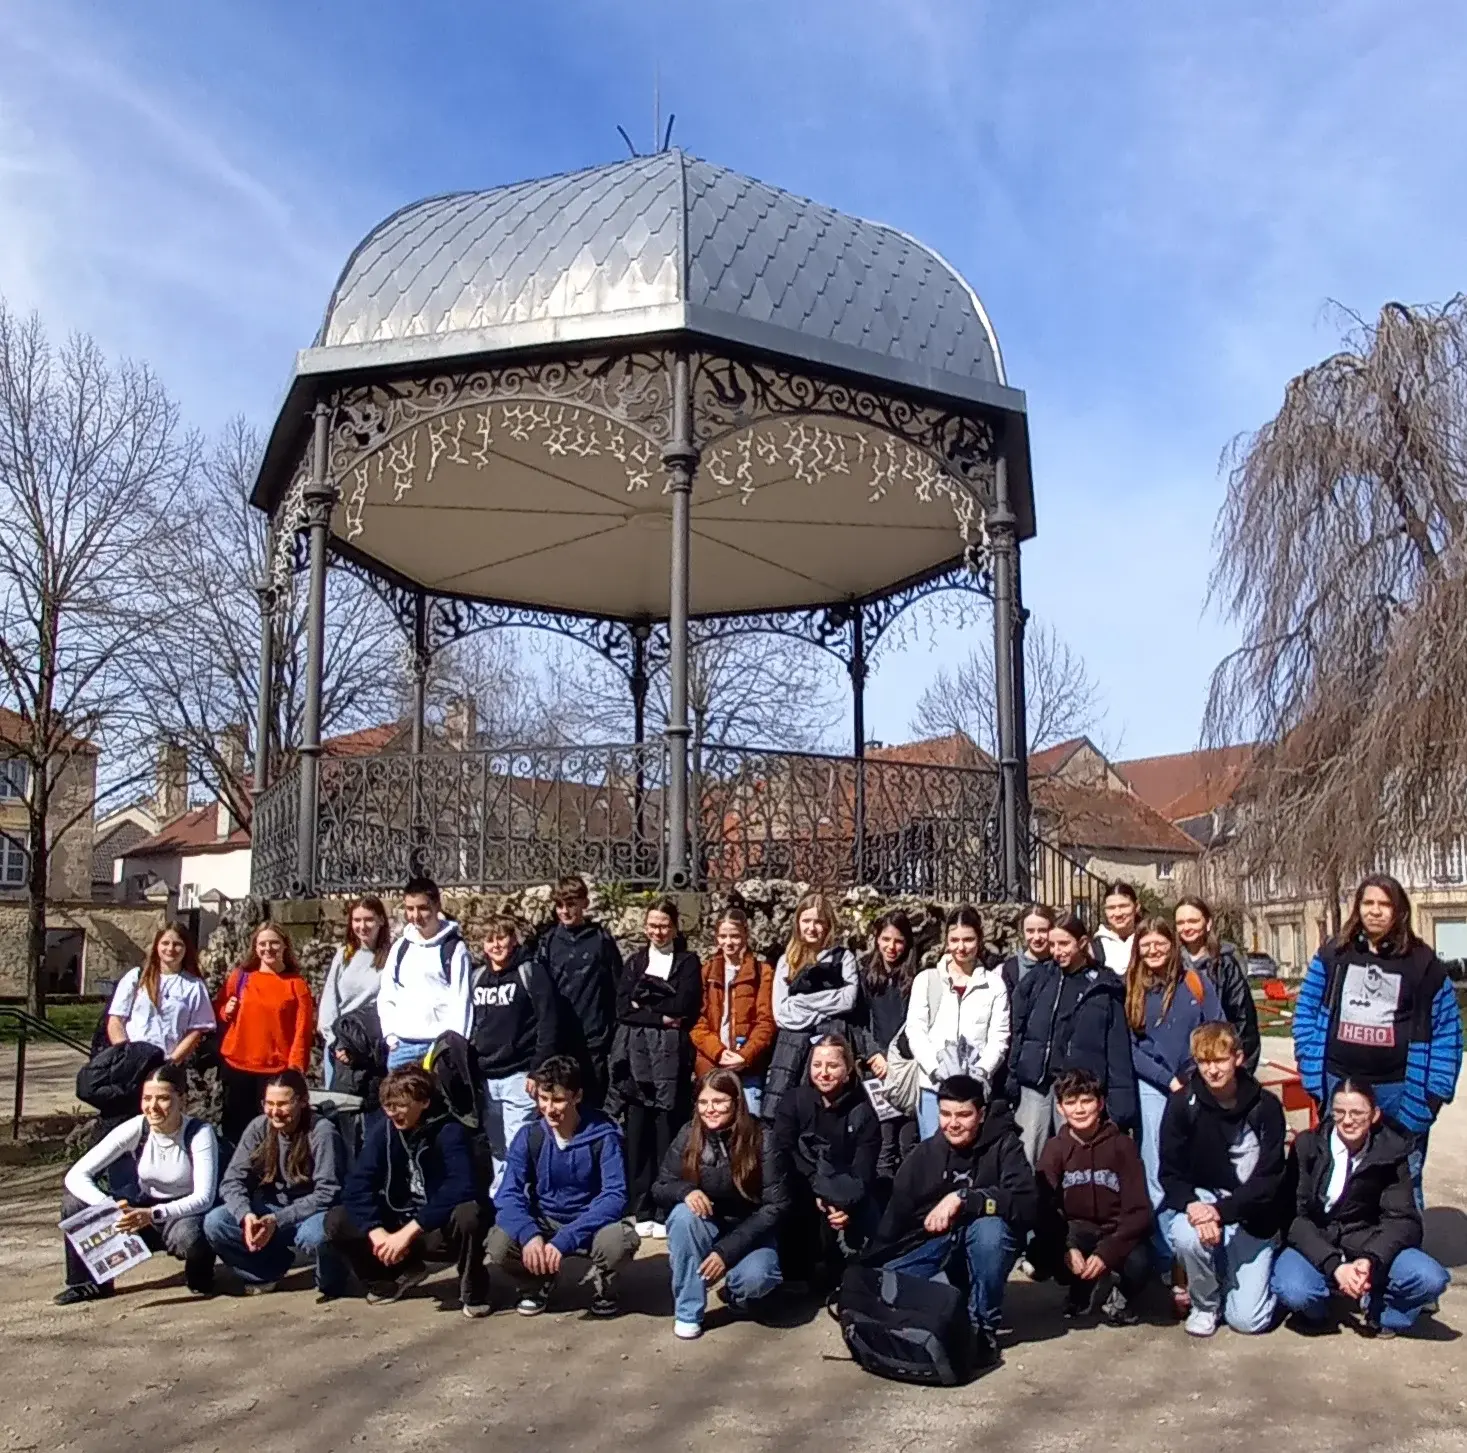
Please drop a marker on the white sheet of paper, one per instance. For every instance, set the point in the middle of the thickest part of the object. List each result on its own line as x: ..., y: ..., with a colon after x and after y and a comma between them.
x: 107, y: 1251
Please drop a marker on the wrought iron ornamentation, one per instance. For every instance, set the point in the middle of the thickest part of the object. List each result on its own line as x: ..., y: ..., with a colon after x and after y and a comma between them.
x: 942, y: 453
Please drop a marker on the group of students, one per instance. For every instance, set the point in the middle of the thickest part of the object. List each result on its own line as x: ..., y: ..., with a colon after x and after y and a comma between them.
x: 1088, y: 1105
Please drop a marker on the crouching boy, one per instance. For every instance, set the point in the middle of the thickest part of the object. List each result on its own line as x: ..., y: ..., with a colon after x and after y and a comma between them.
x: 412, y: 1196
x: 564, y: 1193
x: 1095, y: 1213
x: 1222, y: 1180
x: 968, y: 1196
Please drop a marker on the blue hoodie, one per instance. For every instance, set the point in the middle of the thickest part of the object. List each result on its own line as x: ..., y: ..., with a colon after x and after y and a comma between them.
x: 1162, y: 1051
x: 583, y: 1187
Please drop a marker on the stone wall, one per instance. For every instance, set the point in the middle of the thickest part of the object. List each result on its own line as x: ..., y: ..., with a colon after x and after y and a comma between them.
x: 117, y: 939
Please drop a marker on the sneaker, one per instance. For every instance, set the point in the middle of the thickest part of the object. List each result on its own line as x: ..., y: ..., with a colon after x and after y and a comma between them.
x: 659, y: 1231
x: 199, y: 1281
x: 1077, y: 1301
x: 474, y: 1310
x: 736, y: 1306
x: 1026, y: 1267
x: 986, y: 1353
x: 1117, y: 1311
x: 1369, y: 1327
x: 535, y: 1300
x: 603, y: 1298
x: 83, y: 1291
x: 1308, y: 1326
x: 1200, y: 1323
x: 688, y: 1331
x: 646, y: 1228
x: 259, y: 1288
x: 382, y: 1292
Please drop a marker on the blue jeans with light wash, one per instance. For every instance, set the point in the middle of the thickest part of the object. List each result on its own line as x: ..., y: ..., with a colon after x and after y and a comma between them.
x: 508, y: 1107
x: 689, y: 1240
x: 408, y: 1052
x: 1232, y: 1279
x: 981, y: 1252
x: 1153, y: 1105
x: 277, y: 1256
x: 926, y: 1114
x: 1414, y: 1280
x: 753, y: 1091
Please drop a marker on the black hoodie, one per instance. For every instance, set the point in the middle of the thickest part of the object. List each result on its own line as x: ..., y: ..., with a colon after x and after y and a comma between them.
x: 1198, y: 1139
x: 514, y: 1017
x: 992, y: 1175
x: 585, y: 966
x: 1376, y: 1215
x: 834, y: 1148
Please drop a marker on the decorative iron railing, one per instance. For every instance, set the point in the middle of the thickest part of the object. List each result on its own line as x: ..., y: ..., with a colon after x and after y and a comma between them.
x: 520, y: 816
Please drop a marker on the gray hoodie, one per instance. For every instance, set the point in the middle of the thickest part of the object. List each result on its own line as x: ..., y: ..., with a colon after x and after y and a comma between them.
x: 243, y: 1193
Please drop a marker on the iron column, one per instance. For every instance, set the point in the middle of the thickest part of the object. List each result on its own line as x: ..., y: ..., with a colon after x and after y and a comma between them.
x: 1021, y: 735
x: 421, y: 660
x: 858, y: 715
x: 264, y: 695
x: 320, y: 497
x: 681, y: 458
x: 1003, y: 549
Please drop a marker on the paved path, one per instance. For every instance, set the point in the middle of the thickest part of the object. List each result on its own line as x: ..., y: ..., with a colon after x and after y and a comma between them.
x: 50, y: 1079
x: 155, y: 1368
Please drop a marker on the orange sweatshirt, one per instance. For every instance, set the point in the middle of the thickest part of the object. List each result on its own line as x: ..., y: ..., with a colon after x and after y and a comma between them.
x: 273, y: 1025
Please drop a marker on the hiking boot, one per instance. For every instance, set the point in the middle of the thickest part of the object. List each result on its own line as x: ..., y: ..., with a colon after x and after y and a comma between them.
x: 535, y: 1300
x: 382, y: 1292
x: 83, y: 1291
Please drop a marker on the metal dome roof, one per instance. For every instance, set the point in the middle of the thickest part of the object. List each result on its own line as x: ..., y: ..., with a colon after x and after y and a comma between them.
x: 656, y: 244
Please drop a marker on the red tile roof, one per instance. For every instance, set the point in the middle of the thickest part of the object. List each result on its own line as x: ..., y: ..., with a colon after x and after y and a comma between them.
x: 1188, y: 784
x: 15, y: 729
x: 1096, y: 817
x: 955, y: 750
x: 365, y: 742
x: 1051, y: 759
x: 194, y: 831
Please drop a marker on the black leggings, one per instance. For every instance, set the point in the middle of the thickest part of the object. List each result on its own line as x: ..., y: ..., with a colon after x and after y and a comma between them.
x: 243, y: 1091
x: 649, y: 1133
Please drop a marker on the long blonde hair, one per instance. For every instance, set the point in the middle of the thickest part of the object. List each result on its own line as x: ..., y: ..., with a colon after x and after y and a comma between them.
x: 797, y: 953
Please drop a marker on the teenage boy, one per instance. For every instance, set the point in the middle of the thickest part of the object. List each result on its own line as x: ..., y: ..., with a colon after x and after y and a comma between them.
x: 969, y: 1192
x: 1222, y: 1180
x: 585, y: 966
x: 411, y: 1197
x: 514, y: 1027
x: 1095, y: 1212
x: 425, y: 981
x: 564, y: 1193
x: 1112, y: 942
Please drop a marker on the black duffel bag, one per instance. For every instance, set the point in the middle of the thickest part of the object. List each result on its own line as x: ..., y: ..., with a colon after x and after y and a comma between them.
x: 906, y: 1327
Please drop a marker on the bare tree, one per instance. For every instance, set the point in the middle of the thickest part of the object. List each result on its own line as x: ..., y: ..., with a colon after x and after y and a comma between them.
x: 90, y: 453
x: 197, y: 681
x: 491, y: 672
x: 1342, y: 555
x: 1062, y: 698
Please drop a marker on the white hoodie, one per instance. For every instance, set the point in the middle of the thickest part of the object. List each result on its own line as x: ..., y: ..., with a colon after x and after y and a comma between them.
x: 1114, y: 951
x: 968, y: 1034
x: 415, y: 1000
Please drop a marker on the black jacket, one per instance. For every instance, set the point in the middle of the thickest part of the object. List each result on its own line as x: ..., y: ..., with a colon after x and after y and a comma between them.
x: 516, y: 1017
x: 1060, y: 1021
x: 992, y: 1175
x: 1197, y: 1136
x: 834, y: 1148
x: 585, y: 967
x: 112, y: 1080
x: 380, y: 1185
x: 643, y: 1000
x: 879, y: 1016
x: 1230, y: 979
x: 741, y: 1223
x: 1375, y: 1217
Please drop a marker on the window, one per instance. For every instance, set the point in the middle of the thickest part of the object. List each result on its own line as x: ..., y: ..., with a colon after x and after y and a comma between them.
x: 14, y: 862
x: 1165, y: 869
x: 1446, y: 861
x: 14, y: 776
x: 1451, y: 938
x: 1285, y: 945
x: 188, y: 896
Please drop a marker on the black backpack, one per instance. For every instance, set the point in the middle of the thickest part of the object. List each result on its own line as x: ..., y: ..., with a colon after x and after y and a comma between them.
x: 111, y: 1082
x: 906, y: 1328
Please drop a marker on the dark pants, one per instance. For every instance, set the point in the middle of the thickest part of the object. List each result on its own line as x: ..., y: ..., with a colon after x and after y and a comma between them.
x: 649, y: 1133
x: 810, y: 1248
x: 461, y: 1242
x: 897, y: 1139
x: 1132, y: 1275
x: 182, y: 1238
x: 243, y: 1091
x: 596, y: 1071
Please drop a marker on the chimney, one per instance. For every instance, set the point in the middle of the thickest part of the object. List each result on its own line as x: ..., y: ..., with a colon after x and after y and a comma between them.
x: 461, y: 724
x: 170, y: 795
x: 231, y: 748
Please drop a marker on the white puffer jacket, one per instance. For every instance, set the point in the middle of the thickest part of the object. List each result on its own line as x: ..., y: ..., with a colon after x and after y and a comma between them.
x: 951, y: 1033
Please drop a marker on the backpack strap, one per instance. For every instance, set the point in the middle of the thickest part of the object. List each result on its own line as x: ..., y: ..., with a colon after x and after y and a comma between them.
x: 935, y: 986
x: 402, y: 947
x: 1194, y: 985
x: 446, y: 946
x: 534, y: 1145
x: 525, y: 974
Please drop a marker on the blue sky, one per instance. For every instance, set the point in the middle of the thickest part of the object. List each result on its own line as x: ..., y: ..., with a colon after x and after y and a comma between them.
x: 1155, y: 202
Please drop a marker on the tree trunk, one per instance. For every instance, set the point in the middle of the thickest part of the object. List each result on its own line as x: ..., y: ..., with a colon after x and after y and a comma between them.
x: 35, y: 939
x: 1332, y: 901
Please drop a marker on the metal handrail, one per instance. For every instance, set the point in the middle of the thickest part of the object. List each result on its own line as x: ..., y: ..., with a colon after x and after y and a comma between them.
x: 30, y: 1026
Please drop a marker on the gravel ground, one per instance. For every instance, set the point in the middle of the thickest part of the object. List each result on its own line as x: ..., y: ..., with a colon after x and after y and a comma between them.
x: 156, y: 1368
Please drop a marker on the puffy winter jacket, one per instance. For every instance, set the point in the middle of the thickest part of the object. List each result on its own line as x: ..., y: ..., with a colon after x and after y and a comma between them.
x: 1230, y: 979
x: 951, y: 1031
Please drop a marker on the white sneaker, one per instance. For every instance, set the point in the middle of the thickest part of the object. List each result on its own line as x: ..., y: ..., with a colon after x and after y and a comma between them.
x: 688, y: 1331
x: 1200, y: 1324
x: 658, y: 1231
x: 644, y: 1228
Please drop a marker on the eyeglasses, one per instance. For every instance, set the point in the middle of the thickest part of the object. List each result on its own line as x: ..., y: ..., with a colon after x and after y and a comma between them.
x: 1342, y: 1116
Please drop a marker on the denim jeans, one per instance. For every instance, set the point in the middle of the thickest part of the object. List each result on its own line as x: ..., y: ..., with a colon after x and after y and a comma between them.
x: 1153, y: 1106
x: 689, y: 1240
x: 926, y: 1114
x: 754, y: 1091
x: 982, y: 1251
x: 1231, y: 1279
x: 508, y: 1107
x: 277, y: 1256
x: 1414, y: 1280
x: 408, y: 1052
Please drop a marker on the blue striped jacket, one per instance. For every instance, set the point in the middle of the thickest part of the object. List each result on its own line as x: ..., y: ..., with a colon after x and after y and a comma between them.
x: 1433, y: 1056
